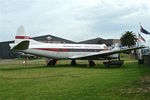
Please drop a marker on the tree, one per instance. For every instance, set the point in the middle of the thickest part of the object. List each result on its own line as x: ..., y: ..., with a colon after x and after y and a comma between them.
x: 128, y: 39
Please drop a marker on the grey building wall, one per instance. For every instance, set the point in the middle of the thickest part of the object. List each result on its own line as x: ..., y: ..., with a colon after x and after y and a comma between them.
x: 5, y: 52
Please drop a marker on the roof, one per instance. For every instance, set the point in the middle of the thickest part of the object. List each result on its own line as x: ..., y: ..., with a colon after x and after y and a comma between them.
x: 52, y: 38
x: 8, y: 41
x: 47, y: 38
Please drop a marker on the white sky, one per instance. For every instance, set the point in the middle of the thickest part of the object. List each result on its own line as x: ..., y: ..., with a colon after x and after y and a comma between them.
x: 74, y: 19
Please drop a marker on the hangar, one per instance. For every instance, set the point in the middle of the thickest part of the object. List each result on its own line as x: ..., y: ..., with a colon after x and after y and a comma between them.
x: 6, y: 53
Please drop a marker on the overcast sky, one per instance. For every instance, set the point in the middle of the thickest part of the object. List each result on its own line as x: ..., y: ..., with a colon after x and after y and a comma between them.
x: 73, y: 19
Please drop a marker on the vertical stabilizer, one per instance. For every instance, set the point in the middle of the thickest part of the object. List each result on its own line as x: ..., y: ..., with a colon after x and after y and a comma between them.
x: 22, y: 40
x: 21, y: 35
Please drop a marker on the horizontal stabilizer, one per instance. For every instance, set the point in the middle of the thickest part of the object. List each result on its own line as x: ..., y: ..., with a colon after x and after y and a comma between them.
x: 21, y: 46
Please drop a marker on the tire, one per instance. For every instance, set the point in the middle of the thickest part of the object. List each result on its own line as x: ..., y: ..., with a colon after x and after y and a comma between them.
x: 91, y: 63
x: 107, y: 65
x: 52, y: 62
x: 73, y: 62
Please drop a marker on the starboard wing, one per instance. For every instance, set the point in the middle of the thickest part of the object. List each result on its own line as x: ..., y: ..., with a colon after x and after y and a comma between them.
x: 105, y: 53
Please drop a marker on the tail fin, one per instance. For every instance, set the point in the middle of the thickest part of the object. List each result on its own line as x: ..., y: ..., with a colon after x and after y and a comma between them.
x: 21, y: 35
x: 22, y: 40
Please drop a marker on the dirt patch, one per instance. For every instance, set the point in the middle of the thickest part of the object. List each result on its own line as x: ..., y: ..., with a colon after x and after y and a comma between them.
x: 144, y: 86
x: 146, y: 79
x: 136, y: 90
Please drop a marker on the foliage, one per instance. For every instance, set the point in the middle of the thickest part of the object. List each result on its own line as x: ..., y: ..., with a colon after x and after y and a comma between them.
x: 128, y: 39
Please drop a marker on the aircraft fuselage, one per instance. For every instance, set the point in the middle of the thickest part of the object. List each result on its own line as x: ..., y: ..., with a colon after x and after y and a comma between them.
x: 63, y: 51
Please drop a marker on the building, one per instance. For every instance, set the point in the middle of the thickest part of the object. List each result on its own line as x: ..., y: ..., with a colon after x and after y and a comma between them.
x: 5, y: 52
x: 108, y: 42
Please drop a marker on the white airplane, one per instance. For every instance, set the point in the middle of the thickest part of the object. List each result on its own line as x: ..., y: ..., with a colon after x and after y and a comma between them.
x: 56, y: 51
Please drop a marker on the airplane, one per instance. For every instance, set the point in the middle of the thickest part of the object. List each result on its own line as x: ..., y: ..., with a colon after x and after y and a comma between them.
x: 58, y: 51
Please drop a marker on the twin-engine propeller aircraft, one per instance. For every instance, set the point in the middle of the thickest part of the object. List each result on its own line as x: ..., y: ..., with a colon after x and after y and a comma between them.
x: 56, y: 51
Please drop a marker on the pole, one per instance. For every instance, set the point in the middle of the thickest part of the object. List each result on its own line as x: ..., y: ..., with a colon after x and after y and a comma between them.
x: 140, y: 60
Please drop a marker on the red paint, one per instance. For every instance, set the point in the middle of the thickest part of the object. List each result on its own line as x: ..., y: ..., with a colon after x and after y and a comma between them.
x: 61, y: 49
x: 22, y: 37
x: 65, y: 50
x: 53, y: 49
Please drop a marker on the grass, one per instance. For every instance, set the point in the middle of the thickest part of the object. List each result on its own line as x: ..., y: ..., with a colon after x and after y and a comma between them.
x: 64, y: 82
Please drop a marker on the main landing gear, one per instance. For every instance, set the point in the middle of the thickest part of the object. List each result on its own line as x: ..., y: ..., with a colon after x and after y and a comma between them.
x: 73, y: 62
x: 51, y: 62
x: 91, y: 63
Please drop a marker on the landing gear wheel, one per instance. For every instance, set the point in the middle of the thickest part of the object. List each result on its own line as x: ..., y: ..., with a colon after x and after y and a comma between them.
x: 107, y: 65
x: 91, y: 63
x: 73, y: 62
x: 51, y: 62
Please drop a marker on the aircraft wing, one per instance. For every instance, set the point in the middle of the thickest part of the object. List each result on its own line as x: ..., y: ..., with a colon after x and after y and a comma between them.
x: 104, y: 53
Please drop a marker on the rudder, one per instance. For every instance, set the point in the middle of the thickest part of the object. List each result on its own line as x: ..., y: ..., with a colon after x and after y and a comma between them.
x: 22, y: 40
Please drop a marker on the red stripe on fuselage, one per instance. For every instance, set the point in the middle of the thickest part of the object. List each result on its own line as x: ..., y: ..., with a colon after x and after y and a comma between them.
x: 22, y: 37
x: 53, y: 49
x: 69, y: 50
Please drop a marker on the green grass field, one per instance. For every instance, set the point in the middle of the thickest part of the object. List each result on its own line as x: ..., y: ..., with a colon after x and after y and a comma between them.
x: 65, y: 82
